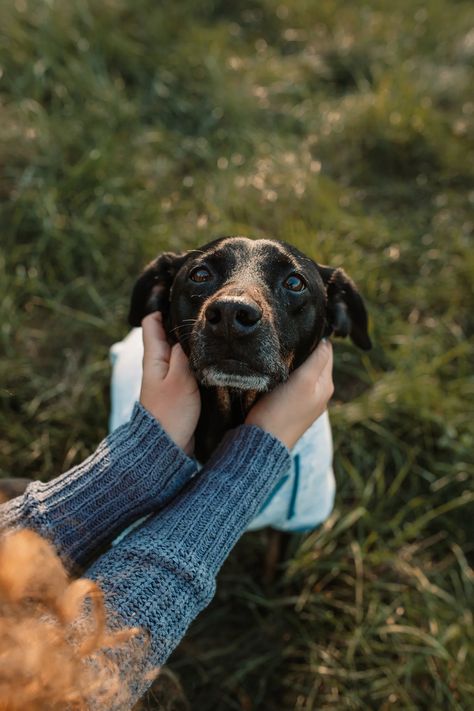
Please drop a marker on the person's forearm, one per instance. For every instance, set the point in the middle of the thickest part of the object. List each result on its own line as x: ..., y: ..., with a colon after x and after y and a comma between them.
x: 163, y: 574
x: 134, y: 471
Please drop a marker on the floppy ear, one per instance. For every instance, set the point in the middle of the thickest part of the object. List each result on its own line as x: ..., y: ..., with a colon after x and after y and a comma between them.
x: 346, y: 314
x: 152, y: 289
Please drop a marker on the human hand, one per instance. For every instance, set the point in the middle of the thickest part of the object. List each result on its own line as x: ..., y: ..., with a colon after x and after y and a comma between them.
x: 169, y: 391
x: 292, y: 407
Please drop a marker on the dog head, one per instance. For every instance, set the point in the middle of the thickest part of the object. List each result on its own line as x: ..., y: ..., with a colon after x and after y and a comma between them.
x: 247, y: 312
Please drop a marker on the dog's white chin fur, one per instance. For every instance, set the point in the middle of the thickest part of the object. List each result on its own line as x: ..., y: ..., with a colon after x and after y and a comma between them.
x: 215, y: 377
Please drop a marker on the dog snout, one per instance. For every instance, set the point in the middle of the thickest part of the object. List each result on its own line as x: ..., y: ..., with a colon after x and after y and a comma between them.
x: 230, y: 317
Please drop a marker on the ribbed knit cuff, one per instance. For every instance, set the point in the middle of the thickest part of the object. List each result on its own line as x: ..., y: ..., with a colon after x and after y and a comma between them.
x: 135, y: 470
x: 209, y: 516
x: 162, y: 574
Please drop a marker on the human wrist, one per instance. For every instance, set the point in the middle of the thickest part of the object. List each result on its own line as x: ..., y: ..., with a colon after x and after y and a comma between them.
x: 208, y: 517
x: 253, y: 437
x: 171, y: 422
x: 276, y: 427
x: 134, y: 471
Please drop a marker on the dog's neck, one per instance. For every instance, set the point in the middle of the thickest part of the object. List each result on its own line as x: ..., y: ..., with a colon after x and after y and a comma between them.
x: 221, y: 410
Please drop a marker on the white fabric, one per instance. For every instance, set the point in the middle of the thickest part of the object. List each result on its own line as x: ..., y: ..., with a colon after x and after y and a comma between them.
x: 301, y: 501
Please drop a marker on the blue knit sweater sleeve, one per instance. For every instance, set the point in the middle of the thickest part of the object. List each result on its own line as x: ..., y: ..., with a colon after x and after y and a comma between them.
x: 162, y: 574
x: 135, y: 471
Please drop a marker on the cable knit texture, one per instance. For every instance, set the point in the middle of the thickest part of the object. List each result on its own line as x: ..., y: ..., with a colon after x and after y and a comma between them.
x: 136, y: 470
x: 162, y: 574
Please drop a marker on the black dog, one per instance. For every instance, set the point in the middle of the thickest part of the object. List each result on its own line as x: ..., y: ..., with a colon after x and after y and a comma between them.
x: 247, y: 312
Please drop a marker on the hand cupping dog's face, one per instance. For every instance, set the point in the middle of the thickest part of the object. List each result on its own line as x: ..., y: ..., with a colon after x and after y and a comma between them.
x: 247, y: 312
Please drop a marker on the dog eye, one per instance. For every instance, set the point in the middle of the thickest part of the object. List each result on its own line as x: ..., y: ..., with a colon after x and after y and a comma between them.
x: 200, y: 274
x: 295, y: 282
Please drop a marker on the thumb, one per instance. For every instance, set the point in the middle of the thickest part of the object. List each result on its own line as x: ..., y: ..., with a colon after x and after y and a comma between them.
x: 318, y: 361
x: 179, y: 364
x: 156, y: 349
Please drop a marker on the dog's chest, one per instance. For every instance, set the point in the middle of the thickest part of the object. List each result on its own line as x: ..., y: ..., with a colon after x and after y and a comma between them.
x: 222, y: 409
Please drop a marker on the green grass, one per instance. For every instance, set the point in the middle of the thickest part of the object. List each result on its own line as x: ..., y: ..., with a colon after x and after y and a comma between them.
x: 344, y: 128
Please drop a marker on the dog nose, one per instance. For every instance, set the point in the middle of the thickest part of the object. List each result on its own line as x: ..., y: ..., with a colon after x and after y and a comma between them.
x: 231, y: 317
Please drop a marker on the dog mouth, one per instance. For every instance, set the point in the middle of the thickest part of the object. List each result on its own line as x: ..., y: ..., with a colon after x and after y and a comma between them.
x: 239, y: 364
x: 232, y: 373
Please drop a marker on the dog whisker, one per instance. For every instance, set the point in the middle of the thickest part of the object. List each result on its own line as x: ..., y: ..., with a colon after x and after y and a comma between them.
x: 236, y: 351
x: 183, y: 337
x: 183, y: 325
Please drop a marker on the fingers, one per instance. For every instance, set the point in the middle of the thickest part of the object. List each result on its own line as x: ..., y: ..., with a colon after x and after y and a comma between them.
x: 178, y: 361
x: 153, y: 329
x: 325, y: 363
x: 318, y: 364
x: 320, y: 373
x: 293, y: 406
x: 159, y: 358
x: 319, y: 359
x: 180, y: 371
x: 326, y: 347
x: 157, y: 350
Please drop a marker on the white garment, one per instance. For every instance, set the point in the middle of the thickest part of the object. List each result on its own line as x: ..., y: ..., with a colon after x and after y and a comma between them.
x: 301, y: 500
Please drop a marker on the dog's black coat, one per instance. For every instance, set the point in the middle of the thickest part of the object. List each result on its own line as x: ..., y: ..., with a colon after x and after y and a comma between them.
x: 247, y: 312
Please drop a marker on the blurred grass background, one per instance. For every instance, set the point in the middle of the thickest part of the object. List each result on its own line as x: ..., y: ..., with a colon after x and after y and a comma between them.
x: 346, y: 129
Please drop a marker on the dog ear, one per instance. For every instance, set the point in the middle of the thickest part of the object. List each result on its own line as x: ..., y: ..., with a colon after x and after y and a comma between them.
x: 152, y: 289
x: 345, y: 313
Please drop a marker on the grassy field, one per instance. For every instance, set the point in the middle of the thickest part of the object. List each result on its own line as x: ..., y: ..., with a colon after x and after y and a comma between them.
x: 345, y: 128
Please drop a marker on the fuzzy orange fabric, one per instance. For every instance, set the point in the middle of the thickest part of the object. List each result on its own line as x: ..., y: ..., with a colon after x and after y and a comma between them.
x: 52, y: 633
